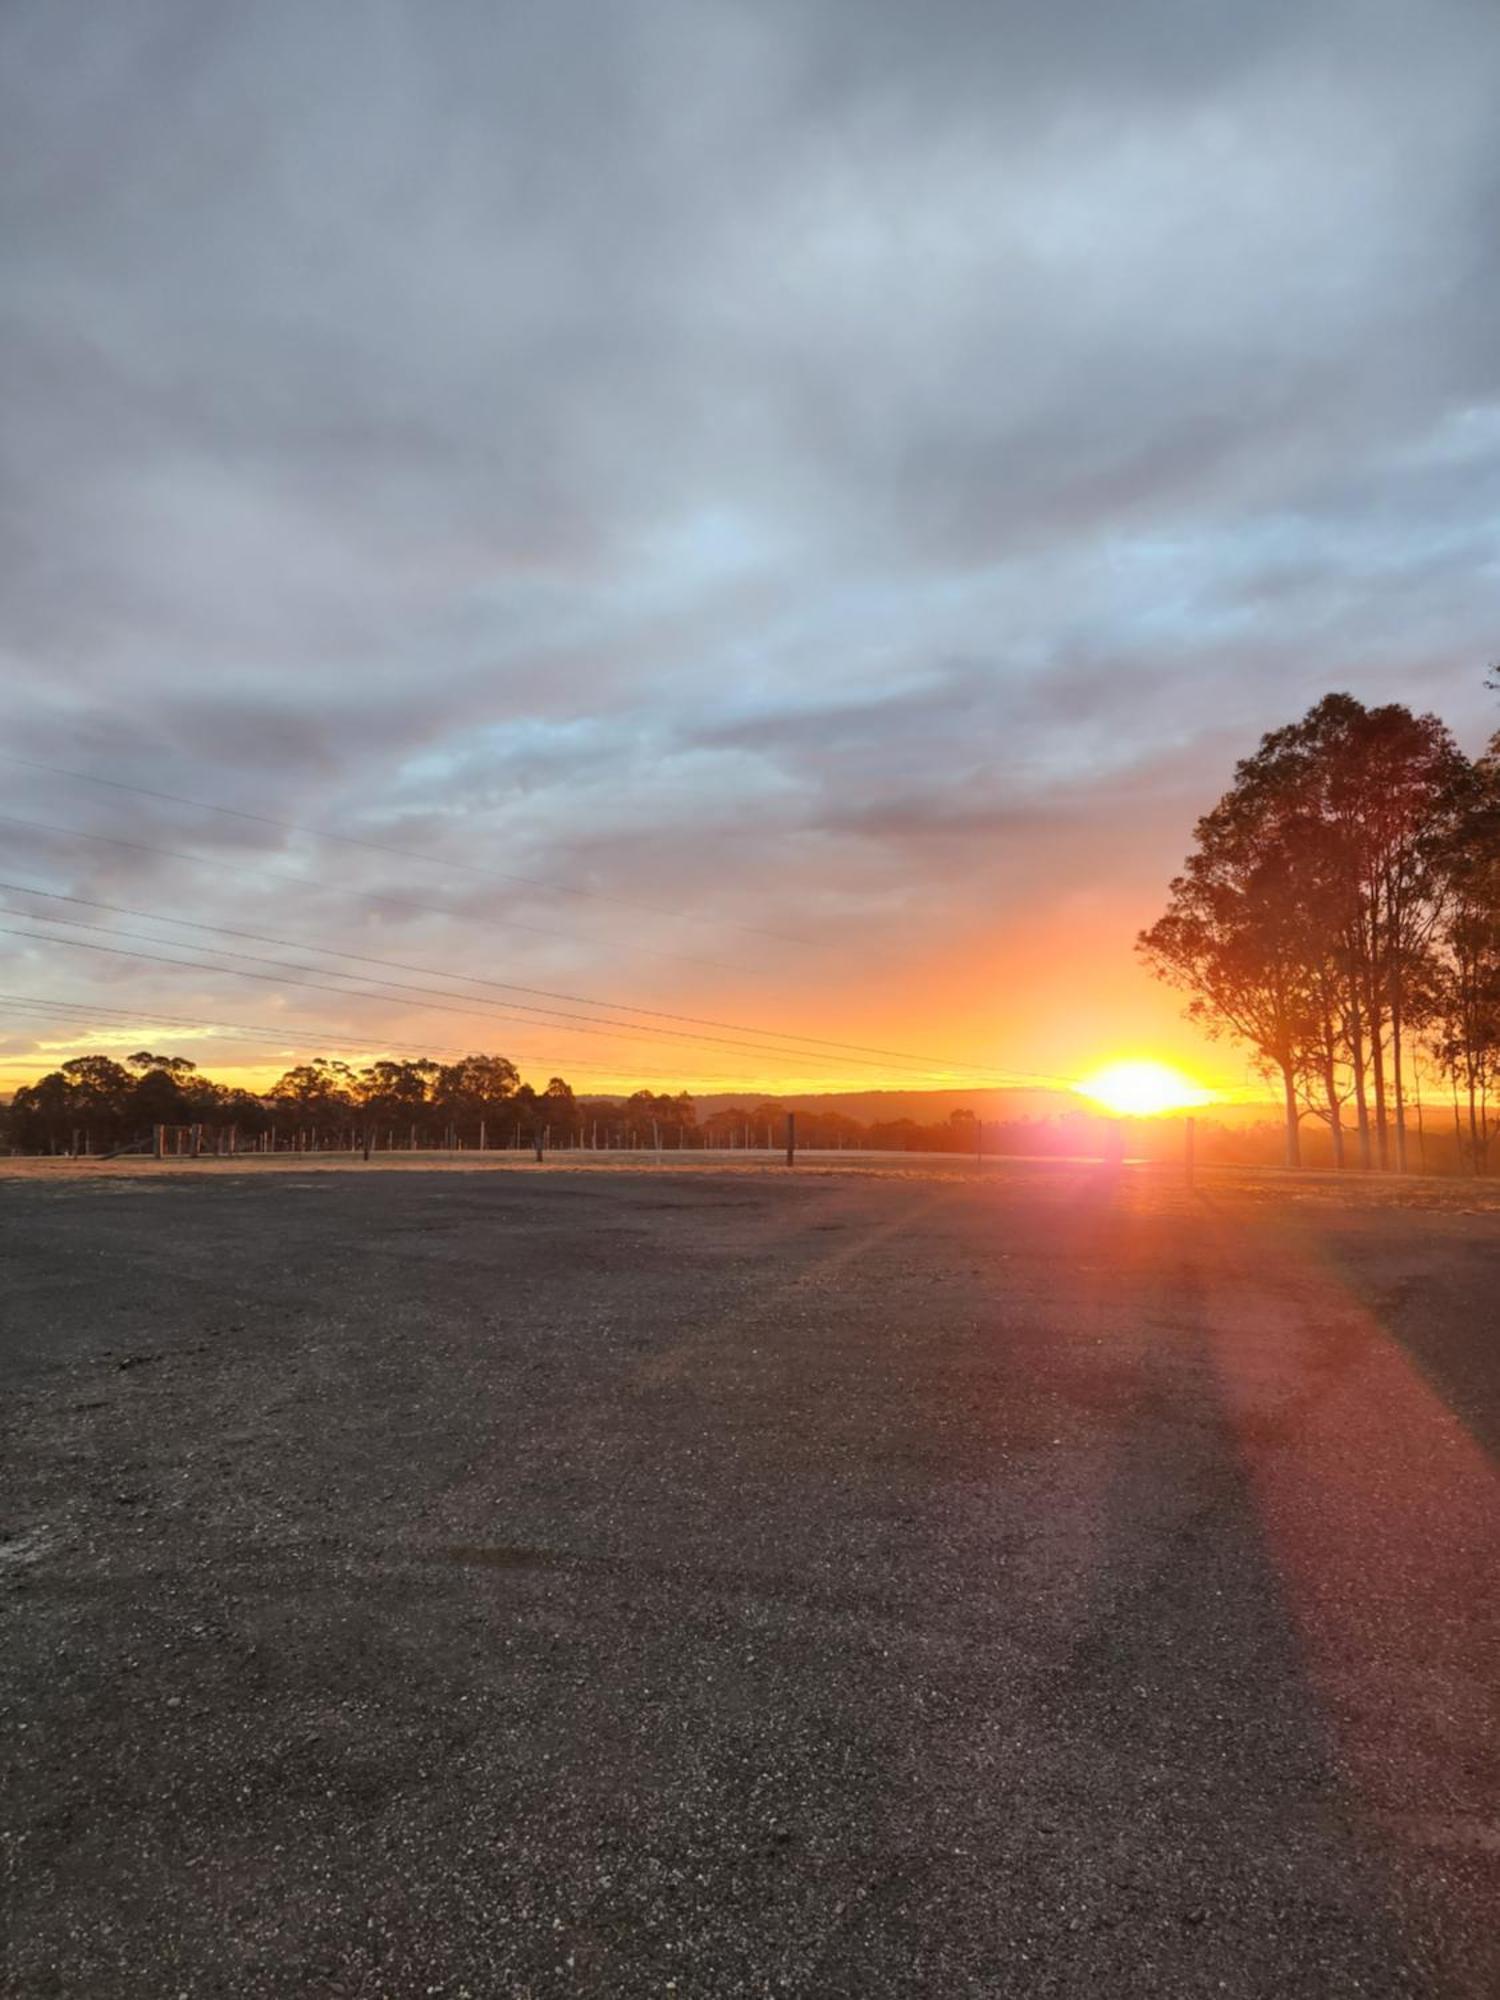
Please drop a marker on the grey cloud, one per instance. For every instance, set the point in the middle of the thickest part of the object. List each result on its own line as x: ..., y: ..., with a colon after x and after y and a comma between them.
x: 759, y: 459
x: 815, y: 724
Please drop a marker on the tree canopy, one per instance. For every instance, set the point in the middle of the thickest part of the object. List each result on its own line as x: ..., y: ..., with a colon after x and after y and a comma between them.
x: 1340, y: 913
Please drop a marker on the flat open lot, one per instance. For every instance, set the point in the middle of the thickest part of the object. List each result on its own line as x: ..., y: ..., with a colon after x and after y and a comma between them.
x: 909, y: 1581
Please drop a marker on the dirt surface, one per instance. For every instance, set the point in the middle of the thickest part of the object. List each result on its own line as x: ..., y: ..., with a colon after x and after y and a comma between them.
x: 884, y: 1581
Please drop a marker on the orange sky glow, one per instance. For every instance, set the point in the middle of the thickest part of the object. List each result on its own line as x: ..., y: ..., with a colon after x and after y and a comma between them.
x: 776, y: 560
x: 1042, y: 1012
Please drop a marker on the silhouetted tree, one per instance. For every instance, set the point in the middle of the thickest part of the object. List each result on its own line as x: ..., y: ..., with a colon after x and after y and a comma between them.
x: 1382, y: 786
x: 394, y: 1093
x: 1307, y: 916
x: 1234, y: 938
x: 159, y: 1094
x: 1461, y: 1010
x: 479, y: 1089
x: 559, y: 1109
x: 319, y: 1096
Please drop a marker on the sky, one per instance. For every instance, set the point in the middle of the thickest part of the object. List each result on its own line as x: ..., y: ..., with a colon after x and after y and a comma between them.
x: 780, y: 513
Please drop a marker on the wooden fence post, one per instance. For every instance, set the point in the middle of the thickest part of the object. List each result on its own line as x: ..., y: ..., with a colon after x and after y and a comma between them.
x: 791, y: 1138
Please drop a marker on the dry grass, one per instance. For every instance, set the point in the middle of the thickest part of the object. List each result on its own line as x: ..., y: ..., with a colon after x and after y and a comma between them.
x: 1147, y: 1183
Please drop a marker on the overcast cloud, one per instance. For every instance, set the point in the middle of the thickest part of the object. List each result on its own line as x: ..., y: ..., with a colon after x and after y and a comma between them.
x: 845, y: 470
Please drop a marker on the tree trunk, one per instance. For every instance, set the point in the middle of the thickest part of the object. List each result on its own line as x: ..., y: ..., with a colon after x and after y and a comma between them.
x: 1377, y: 1070
x: 1397, y: 927
x: 1335, y: 1120
x: 1293, y: 1122
x: 1331, y: 1086
x: 1475, y: 1154
x: 1357, y: 1060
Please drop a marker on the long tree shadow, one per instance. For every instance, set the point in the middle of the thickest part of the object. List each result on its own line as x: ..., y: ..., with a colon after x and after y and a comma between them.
x: 1154, y: 1801
x: 1432, y: 1282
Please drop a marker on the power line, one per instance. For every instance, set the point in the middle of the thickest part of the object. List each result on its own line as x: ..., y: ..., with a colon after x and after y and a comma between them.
x: 402, y: 853
x: 570, y: 1024
x: 338, y: 1037
x: 349, y: 993
x: 812, y: 1048
x: 363, y: 895
x: 1003, y: 1077
x: 345, y: 992
x: 87, y: 1012
x: 500, y: 985
x: 243, y: 1030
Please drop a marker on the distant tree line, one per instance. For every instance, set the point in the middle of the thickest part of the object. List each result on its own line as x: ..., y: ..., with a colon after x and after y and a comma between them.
x: 1340, y: 915
x: 96, y: 1105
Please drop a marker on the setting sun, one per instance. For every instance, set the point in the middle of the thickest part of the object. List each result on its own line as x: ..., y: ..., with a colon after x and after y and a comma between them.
x: 1143, y: 1089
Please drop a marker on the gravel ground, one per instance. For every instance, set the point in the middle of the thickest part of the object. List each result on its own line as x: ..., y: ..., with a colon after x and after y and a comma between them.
x: 898, y: 1580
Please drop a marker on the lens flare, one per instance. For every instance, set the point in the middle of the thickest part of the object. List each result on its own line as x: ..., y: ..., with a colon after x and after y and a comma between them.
x: 1142, y: 1089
